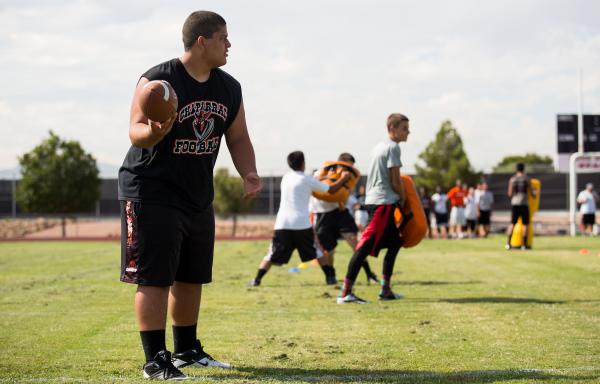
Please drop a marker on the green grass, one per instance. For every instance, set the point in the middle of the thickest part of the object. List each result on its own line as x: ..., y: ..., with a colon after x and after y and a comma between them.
x: 473, y: 313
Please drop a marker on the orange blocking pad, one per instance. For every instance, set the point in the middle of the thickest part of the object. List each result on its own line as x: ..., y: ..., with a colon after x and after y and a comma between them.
x: 412, y: 220
x: 331, y: 172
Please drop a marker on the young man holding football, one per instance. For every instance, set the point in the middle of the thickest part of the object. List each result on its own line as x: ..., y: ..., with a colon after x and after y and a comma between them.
x: 166, y: 193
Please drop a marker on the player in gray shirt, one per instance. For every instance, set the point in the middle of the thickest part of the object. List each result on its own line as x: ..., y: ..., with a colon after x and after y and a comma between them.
x: 385, y: 193
x: 384, y: 156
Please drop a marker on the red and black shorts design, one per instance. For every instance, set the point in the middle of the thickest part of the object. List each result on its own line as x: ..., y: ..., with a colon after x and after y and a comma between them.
x: 161, y: 244
x: 129, y: 223
x: 381, y: 231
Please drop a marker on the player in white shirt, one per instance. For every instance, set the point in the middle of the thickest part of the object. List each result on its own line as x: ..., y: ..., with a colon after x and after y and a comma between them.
x: 588, y: 199
x: 334, y: 221
x: 440, y: 211
x: 485, y: 202
x: 471, y: 213
x: 293, y: 229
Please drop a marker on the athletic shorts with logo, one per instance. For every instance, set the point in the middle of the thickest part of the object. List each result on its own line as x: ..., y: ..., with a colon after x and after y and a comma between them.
x: 381, y: 231
x: 330, y: 226
x: 161, y: 244
x: 285, y: 241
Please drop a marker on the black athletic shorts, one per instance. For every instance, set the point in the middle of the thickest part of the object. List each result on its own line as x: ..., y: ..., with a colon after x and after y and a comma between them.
x: 521, y: 211
x: 441, y: 219
x: 589, y: 219
x: 484, y: 217
x: 285, y: 241
x: 330, y: 226
x: 471, y: 224
x: 161, y: 244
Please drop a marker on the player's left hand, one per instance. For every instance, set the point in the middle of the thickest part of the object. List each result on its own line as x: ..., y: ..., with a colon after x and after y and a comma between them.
x: 252, y: 185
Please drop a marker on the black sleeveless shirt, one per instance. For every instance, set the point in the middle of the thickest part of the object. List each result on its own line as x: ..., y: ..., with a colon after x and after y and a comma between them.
x: 178, y: 170
x: 520, y: 189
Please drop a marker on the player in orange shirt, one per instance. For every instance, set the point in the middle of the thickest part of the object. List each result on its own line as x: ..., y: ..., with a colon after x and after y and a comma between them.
x: 457, y: 213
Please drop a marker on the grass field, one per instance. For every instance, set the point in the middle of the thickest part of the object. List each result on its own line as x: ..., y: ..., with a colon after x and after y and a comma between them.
x: 473, y: 313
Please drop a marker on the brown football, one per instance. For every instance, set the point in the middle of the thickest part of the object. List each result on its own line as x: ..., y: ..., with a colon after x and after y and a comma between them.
x: 158, y: 100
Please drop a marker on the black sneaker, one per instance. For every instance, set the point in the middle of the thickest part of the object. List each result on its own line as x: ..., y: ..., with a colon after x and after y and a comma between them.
x: 161, y: 368
x: 196, y: 357
x: 389, y: 295
x: 254, y: 283
x: 330, y: 280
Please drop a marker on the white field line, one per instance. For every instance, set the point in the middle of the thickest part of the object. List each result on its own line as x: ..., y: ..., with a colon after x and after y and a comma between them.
x: 333, y: 378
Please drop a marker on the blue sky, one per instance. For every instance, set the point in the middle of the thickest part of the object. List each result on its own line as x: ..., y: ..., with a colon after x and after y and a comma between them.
x: 320, y: 76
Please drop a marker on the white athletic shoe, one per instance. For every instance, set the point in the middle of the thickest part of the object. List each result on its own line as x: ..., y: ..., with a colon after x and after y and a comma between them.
x: 196, y: 357
x: 350, y: 299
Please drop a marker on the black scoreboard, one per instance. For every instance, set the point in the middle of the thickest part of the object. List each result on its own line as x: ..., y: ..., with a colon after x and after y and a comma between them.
x: 568, y: 134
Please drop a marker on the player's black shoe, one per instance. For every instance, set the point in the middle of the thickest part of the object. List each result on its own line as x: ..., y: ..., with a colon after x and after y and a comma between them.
x: 161, y: 368
x: 330, y: 280
x: 196, y: 357
x: 389, y: 295
x: 254, y: 283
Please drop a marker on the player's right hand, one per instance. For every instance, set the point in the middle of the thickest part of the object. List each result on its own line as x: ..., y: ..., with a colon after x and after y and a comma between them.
x: 252, y: 185
x: 162, y: 129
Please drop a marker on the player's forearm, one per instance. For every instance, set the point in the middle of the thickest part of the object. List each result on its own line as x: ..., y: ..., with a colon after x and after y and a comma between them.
x: 143, y: 136
x: 242, y: 154
x: 398, y: 187
x: 333, y: 188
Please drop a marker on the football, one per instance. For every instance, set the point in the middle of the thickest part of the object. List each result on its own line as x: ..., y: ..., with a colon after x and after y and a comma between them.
x: 158, y: 100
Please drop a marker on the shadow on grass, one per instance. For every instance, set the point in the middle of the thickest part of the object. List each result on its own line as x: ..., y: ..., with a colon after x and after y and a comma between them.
x: 434, y: 282
x: 397, y: 376
x: 510, y: 300
x: 502, y: 300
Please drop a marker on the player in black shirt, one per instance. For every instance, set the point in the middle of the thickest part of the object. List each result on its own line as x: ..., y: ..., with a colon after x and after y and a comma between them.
x: 166, y: 193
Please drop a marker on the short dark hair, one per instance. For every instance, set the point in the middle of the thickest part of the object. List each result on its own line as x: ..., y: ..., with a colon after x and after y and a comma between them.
x: 200, y: 23
x: 296, y: 160
x: 520, y: 167
x: 346, y: 157
x: 395, y: 118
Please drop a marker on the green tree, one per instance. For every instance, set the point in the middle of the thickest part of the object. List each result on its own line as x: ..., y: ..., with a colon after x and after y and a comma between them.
x: 533, y: 163
x: 58, y: 177
x: 444, y: 160
x: 229, y: 197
